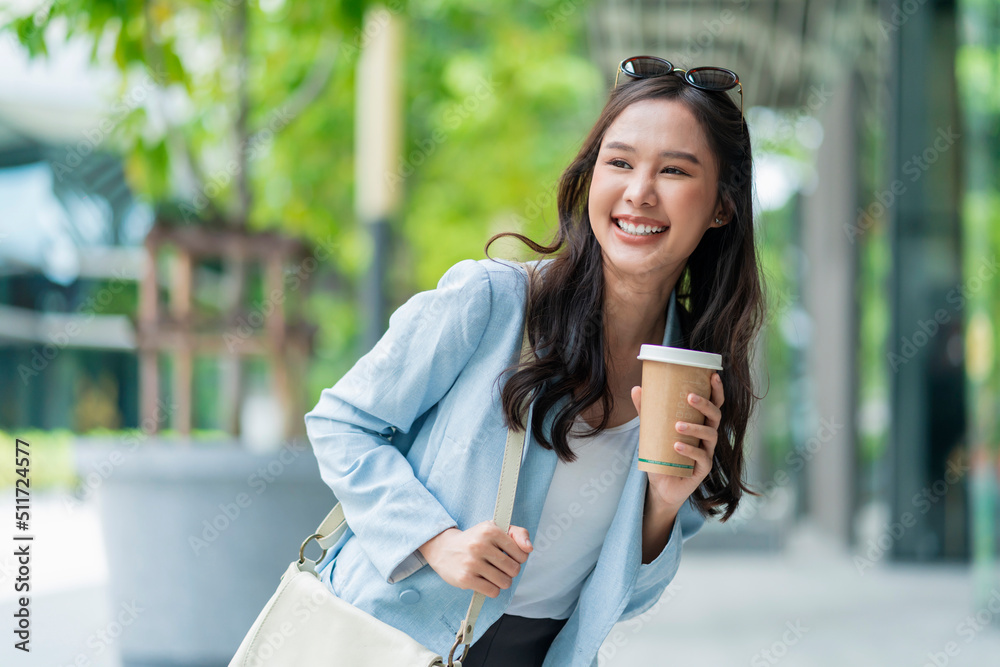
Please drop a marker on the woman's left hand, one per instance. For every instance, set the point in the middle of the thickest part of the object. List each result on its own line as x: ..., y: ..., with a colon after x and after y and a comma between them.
x: 671, y: 491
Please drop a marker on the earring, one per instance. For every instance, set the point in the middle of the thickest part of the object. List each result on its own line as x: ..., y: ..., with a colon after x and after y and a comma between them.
x: 718, y: 222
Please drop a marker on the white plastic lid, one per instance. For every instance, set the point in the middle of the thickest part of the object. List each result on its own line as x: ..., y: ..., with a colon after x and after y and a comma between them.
x: 678, y: 355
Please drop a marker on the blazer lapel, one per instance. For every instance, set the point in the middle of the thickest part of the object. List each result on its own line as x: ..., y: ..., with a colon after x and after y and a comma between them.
x: 621, y: 556
x: 539, y: 465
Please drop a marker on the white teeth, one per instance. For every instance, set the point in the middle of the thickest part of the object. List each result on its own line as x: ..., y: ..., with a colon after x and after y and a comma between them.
x: 640, y: 230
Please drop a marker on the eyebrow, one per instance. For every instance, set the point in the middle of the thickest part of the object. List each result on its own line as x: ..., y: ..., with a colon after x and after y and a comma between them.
x: 674, y: 154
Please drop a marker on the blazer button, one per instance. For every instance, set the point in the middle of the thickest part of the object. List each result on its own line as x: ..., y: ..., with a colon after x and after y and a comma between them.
x: 409, y: 596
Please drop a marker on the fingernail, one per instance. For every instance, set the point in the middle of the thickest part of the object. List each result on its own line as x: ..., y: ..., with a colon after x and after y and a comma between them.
x: 678, y: 446
x: 681, y: 426
x: 695, y: 398
x: 529, y: 543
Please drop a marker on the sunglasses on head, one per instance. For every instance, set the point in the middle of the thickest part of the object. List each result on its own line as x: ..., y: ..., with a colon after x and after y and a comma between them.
x: 706, y: 78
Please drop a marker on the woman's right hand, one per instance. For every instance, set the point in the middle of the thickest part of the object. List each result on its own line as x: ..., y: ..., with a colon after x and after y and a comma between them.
x: 483, y: 558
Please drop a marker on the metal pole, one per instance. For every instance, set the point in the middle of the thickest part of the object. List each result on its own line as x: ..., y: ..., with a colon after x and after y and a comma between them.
x: 377, y: 149
x: 929, y: 518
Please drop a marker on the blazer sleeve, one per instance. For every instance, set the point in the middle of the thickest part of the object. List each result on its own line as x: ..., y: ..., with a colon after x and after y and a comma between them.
x: 654, y: 577
x: 430, y: 339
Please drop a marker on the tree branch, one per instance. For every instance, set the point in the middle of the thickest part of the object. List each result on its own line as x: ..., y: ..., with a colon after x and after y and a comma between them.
x: 314, y: 83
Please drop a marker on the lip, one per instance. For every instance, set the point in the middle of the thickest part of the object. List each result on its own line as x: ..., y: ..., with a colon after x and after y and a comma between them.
x: 639, y: 220
x: 636, y: 240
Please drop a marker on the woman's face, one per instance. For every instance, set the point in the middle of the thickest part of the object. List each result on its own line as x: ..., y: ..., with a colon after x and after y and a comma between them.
x: 654, y: 165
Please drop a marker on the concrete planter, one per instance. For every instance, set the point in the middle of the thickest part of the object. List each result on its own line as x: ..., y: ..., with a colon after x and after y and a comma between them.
x: 197, y: 537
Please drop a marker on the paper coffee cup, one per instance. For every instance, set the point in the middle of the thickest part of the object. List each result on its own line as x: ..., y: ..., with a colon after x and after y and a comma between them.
x: 669, y: 374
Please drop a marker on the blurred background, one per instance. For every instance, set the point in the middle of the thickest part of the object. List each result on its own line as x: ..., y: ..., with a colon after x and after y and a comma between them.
x: 209, y: 209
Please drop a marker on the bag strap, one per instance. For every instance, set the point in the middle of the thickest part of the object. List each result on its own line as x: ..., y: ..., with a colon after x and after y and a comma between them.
x: 504, y: 509
x: 334, y: 525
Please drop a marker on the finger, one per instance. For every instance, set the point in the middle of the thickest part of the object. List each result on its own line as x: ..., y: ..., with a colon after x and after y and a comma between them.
x: 485, y: 586
x: 520, y: 535
x: 710, y: 446
x: 510, y: 546
x: 718, y: 391
x: 700, y: 456
x: 495, y: 577
x: 636, y: 397
x: 713, y: 415
x: 502, y: 563
x: 703, y: 432
x: 708, y: 434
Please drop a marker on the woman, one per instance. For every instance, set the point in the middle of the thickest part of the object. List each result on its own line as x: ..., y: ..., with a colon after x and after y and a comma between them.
x: 655, y: 245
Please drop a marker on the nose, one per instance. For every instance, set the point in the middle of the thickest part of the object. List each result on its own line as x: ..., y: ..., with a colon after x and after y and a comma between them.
x: 641, y: 190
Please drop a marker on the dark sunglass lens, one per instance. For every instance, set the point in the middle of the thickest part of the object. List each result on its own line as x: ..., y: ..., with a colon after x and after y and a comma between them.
x: 712, y: 78
x: 642, y: 68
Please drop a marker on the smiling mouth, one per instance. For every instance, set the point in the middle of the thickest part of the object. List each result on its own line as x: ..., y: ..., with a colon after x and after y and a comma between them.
x: 638, y: 230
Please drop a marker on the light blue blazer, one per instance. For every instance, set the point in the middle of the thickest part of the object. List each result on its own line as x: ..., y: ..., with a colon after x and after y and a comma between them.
x: 411, y: 441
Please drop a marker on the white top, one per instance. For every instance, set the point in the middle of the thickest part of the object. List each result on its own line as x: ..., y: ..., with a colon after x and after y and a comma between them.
x: 581, y: 502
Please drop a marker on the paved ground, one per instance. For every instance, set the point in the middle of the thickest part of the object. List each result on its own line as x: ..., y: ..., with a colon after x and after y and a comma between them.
x: 807, y: 606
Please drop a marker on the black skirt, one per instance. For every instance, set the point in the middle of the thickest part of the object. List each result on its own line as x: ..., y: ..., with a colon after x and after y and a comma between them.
x: 514, y: 640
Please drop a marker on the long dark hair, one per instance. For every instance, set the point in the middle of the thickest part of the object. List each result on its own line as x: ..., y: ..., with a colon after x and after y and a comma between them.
x: 720, y: 302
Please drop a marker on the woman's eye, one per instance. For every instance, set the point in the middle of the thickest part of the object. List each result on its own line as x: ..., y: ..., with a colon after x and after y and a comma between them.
x: 616, y: 162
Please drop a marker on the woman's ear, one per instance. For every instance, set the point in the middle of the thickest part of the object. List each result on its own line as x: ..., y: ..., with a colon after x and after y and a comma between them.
x: 722, y: 216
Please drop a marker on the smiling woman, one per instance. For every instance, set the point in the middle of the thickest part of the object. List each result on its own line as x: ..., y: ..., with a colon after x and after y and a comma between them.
x: 656, y: 205
x: 655, y: 245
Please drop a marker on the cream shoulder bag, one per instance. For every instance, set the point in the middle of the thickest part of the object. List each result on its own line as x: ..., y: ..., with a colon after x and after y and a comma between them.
x: 305, y: 625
